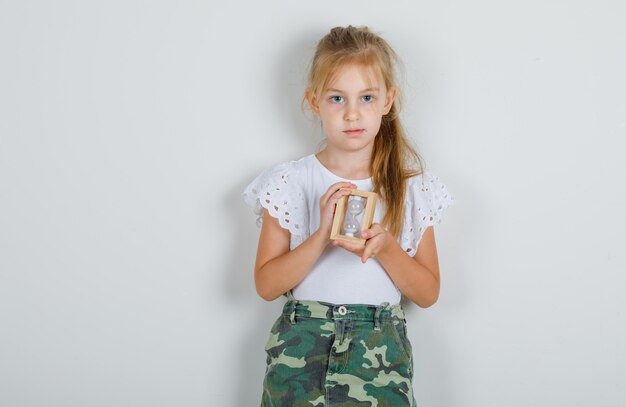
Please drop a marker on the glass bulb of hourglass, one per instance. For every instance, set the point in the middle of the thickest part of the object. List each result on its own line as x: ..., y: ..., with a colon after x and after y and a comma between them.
x: 351, y: 227
x: 355, y: 207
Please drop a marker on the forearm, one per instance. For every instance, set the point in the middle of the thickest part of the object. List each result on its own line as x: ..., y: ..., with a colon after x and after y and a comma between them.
x: 413, y: 279
x: 282, y: 273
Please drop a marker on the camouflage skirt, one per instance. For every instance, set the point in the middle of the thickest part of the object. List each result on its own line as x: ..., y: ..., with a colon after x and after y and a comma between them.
x: 321, y: 354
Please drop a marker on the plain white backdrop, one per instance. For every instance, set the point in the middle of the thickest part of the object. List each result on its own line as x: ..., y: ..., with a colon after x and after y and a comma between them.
x: 129, y: 129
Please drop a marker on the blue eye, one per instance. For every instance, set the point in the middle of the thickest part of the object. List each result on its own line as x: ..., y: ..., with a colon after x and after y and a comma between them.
x: 334, y: 99
x: 368, y: 98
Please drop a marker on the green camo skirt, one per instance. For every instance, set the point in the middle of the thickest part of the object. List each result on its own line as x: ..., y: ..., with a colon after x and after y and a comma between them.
x: 321, y: 354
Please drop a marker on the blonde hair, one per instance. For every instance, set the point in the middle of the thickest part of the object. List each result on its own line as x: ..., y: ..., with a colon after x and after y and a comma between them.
x: 393, y: 155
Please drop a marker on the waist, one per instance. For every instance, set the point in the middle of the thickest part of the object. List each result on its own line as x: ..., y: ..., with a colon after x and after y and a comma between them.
x: 329, y: 311
x: 339, y: 277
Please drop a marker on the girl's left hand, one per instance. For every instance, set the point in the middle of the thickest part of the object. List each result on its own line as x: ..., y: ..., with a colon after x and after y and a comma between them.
x: 376, y: 240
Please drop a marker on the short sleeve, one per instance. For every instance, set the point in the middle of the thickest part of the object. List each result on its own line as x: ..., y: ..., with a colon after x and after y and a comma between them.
x: 278, y: 190
x: 427, y: 199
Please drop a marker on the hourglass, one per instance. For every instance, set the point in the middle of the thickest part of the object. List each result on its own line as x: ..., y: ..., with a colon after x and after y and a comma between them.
x: 353, y: 213
x: 356, y: 205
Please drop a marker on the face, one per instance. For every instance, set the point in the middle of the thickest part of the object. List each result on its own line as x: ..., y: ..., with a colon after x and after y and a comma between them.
x: 352, y: 106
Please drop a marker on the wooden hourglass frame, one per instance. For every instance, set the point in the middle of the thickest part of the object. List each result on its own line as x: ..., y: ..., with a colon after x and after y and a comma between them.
x: 341, y: 212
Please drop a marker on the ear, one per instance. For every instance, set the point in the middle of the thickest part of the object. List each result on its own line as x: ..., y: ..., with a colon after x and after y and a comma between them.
x: 391, y: 96
x: 311, y: 99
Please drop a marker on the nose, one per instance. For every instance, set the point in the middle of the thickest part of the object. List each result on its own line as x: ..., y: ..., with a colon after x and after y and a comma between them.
x: 351, y: 112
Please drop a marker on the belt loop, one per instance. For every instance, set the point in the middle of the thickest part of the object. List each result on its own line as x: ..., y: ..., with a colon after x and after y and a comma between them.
x: 292, y: 314
x: 341, y: 328
x: 292, y: 306
x: 379, y: 309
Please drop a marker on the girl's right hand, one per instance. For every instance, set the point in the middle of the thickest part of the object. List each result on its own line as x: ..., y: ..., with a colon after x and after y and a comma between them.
x: 328, y: 201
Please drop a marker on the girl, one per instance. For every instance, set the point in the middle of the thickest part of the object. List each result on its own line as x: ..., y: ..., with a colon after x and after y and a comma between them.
x: 341, y: 338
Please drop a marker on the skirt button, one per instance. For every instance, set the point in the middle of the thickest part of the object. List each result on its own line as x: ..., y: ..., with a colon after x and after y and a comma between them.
x: 342, y: 310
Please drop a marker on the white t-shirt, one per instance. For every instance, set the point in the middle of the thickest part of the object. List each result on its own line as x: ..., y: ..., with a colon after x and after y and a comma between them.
x: 291, y: 191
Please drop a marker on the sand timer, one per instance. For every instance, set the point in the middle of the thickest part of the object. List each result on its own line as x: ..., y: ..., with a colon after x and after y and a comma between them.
x: 353, y: 214
x: 356, y: 204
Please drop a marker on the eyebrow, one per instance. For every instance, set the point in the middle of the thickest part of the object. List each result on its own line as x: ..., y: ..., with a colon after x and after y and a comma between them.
x: 364, y: 90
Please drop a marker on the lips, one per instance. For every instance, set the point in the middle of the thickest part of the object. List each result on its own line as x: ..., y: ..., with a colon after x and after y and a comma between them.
x: 354, y: 131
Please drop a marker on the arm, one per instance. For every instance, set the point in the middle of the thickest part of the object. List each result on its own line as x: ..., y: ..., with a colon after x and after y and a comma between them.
x: 416, y: 277
x: 277, y: 269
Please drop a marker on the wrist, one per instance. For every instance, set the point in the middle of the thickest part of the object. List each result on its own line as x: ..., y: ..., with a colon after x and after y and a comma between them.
x: 320, y: 238
x: 389, y: 242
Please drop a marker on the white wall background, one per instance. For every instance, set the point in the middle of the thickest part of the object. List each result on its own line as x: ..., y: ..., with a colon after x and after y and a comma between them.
x: 129, y: 128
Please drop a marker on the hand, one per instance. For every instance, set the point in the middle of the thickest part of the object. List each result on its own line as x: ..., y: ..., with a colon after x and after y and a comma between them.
x: 376, y: 237
x: 328, y: 202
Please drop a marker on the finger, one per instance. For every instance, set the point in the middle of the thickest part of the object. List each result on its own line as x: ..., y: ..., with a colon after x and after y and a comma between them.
x: 370, y: 233
x: 342, y: 184
x: 343, y: 244
x: 374, y: 230
x: 334, y: 188
x: 367, y: 254
x: 329, y: 206
x: 353, y: 247
x: 349, y: 246
x: 332, y: 201
x: 339, y: 194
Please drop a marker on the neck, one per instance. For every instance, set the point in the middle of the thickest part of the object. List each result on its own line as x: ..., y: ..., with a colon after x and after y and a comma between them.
x: 347, y: 164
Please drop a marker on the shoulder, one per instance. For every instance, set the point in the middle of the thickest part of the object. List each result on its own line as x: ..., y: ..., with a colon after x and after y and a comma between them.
x: 427, y: 198
x: 427, y: 186
x: 288, y: 168
x: 427, y: 176
x: 279, y: 190
x: 282, y: 173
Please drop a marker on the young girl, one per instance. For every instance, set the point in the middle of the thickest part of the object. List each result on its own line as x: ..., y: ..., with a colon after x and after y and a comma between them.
x: 341, y: 338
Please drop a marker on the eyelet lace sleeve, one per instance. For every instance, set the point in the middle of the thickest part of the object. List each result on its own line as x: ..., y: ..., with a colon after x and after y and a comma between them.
x: 277, y: 190
x: 427, y: 199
